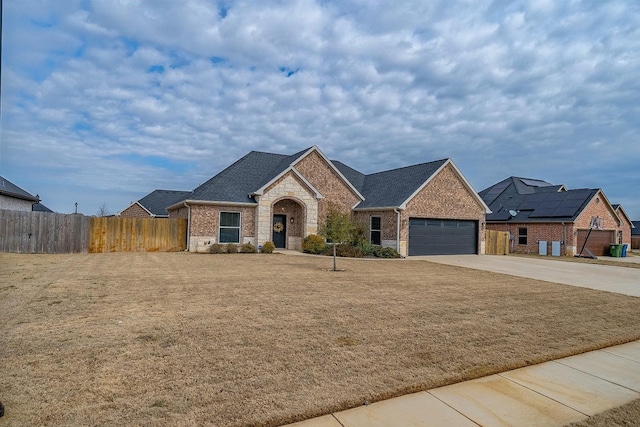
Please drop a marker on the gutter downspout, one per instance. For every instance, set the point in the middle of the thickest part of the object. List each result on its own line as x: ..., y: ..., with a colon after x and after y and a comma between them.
x: 186, y: 205
x: 397, y: 229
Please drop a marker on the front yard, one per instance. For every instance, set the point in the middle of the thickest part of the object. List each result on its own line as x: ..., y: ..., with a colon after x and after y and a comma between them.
x: 184, y: 339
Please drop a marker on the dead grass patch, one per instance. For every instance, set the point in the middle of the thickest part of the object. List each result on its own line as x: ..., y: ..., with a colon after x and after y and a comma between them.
x: 182, y: 339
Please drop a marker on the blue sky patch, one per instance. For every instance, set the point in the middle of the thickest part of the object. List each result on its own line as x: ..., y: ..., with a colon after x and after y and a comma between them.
x: 156, y: 69
x: 288, y: 72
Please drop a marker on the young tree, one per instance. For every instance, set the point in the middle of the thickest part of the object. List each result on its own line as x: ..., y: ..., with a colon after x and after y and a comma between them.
x: 337, y: 229
x: 102, y: 210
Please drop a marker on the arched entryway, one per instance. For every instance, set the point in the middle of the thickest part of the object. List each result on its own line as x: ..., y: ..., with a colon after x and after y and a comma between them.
x: 288, y: 224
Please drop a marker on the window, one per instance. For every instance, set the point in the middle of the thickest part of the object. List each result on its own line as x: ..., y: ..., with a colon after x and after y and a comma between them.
x: 375, y: 230
x: 522, y: 236
x: 229, y: 227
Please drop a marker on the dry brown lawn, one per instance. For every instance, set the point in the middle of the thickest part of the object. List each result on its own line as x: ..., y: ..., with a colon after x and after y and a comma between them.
x: 228, y: 340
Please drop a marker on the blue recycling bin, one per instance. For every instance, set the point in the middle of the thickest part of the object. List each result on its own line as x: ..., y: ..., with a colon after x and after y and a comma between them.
x: 624, y: 250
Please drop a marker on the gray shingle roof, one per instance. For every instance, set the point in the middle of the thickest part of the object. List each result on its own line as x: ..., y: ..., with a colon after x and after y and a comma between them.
x: 249, y: 174
x: 390, y: 189
x: 534, y: 201
x: 157, y: 201
x: 245, y: 176
x: 10, y: 189
x: 39, y: 207
x: 635, y: 231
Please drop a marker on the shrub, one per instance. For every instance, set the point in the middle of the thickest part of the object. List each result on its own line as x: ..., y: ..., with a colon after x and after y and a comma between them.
x: 381, y: 252
x: 232, y: 248
x: 359, y: 234
x: 268, y: 248
x: 366, y: 248
x: 313, y: 244
x: 217, y: 248
x: 344, y: 250
x: 248, y: 248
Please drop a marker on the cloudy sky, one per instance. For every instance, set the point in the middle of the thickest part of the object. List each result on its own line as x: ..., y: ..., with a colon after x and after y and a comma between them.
x: 104, y: 101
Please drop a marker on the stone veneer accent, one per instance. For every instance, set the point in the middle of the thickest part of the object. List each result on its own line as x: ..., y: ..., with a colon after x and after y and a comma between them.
x: 291, y: 187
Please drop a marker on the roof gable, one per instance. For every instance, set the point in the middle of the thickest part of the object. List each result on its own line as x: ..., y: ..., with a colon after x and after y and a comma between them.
x: 293, y: 160
x: 9, y: 189
x: 157, y: 201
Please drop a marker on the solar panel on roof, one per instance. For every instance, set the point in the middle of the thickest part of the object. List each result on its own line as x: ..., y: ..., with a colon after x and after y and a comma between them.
x: 549, y: 204
x: 541, y: 213
x: 499, y: 216
x: 495, y: 191
x: 535, y: 182
x: 565, y: 211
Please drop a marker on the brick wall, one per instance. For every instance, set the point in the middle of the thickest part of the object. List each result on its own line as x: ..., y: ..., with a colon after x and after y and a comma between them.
x: 322, y: 176
x: 205, y: 220
x: 181, y: 212
x: 388, y: 222
x: 548, y: 232
x: 135, y: 211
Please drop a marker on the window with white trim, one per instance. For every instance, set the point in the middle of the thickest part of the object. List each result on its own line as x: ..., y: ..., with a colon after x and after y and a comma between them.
x: 376, y: 231
x: 229, y: 227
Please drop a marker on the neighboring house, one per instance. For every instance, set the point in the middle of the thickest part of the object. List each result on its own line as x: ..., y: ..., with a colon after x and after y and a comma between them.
x: 626, y: 225
x: 428, y: 208
x: 635, y: 235
x: 154, y: 204
x: 15, y: 198
x: 39, y: 207
x: 533, y: 210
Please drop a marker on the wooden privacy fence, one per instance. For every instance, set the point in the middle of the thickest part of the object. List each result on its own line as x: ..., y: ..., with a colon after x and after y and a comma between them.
x: 117, y: 234
x: 43, y: 232
x: 497, y: 242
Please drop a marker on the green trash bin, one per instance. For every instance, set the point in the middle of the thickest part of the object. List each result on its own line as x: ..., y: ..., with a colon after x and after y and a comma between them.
x: 615, y: 250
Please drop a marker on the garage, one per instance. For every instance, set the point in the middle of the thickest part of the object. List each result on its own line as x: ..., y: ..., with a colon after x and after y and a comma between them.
x: 598, y: 243
x: 429, y: 236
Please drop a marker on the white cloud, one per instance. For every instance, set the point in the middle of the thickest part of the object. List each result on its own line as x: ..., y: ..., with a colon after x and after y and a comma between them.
x: 106, y: 88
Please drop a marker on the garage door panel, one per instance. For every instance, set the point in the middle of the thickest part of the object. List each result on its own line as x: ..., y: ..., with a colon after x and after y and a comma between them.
x: 598, y: 242
x: 442, y: 237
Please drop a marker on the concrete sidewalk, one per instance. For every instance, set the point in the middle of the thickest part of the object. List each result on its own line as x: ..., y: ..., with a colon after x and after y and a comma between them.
x: 549, y: 394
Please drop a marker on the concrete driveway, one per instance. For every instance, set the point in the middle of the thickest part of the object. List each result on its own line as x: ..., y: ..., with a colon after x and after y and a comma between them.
x: 622, y: 280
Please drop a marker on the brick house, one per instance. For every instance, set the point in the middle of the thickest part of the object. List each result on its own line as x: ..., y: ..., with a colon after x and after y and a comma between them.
x: 635, y: 235
x: 428, y: 208
x: 626, y: 225
x: 154, y: 204
x: 535, y: 211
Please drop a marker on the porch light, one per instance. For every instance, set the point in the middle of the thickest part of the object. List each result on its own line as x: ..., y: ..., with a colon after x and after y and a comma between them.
x: 291, y: 220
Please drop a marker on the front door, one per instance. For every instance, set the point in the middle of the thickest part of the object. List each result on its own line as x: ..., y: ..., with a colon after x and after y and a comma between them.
x: 279, y: 231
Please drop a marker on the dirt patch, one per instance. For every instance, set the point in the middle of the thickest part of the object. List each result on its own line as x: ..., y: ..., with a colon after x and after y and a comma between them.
x: 185, y: 339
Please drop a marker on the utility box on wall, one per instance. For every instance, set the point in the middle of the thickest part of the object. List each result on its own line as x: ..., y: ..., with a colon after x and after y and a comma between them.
x: 555, y: 248
x: 542, y: 247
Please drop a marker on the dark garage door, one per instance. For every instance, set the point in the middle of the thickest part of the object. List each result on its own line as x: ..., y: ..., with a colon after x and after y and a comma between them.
x: 442, y: 237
